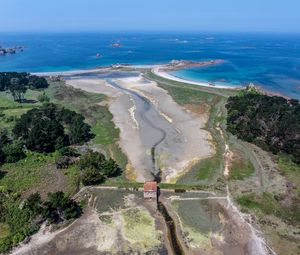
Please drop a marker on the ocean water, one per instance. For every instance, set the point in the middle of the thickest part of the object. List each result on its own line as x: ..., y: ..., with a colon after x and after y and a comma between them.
x: 270, y: 61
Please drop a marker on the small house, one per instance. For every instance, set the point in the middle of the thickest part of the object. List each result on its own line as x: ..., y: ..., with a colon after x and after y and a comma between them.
x: 150, y: 190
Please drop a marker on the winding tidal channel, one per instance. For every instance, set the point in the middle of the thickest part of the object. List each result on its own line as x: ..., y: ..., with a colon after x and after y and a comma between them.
x: 150, y: 122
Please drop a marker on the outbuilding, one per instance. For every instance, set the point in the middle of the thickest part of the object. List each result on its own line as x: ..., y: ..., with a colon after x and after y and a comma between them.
x: 150, y: 190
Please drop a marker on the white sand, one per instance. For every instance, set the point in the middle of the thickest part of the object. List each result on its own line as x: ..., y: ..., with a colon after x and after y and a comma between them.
x: 73, y: 72
x: 156, y: 70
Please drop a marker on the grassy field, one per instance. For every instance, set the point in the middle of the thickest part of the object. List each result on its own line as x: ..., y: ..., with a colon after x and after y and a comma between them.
x: 37, y: 172
x: 10, y: 110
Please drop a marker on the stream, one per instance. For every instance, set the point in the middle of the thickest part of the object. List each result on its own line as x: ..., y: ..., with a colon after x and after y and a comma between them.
x: 151, y: 123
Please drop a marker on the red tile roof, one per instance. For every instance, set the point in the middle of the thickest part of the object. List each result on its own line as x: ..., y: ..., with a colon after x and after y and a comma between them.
x: 150, y: 186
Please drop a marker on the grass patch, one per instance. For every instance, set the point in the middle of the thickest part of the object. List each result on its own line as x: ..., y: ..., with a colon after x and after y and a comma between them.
x: 241, y: 168
x: 289, y: 168
x: 11, y: 110
x: 26, y: 173
x: 265, y: 203
x: 198, y: 219
x: 38, y: 172
x: 15, y: 112
x: 183, y: 95
x: 215, y: 91
x: 105, y: 131
x: 6, y: 100
x: 4, y: 230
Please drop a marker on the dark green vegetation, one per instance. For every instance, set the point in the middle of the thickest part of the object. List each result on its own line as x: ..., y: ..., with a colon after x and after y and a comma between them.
x: 43, y: 129
x: 18, y: 83
x: 49, y: 127
x: 96, y: 168
x: 10, y: 151
x: 273, y: 123
x: 20, y: 220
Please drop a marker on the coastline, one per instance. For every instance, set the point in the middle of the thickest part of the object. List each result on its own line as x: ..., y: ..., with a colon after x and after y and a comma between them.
x: 159, y: 70
x: 163, y: 74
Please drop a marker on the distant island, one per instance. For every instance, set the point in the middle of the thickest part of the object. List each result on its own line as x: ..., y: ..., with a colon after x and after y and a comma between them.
x: 10, y: 50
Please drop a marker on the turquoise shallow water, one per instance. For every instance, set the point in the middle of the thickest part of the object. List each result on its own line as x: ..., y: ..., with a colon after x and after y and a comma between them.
x: 271, y: 61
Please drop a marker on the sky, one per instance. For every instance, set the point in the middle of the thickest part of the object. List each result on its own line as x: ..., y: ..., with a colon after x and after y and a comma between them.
x: 150, y: 15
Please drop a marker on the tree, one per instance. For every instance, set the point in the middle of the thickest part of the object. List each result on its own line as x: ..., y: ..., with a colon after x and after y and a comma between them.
x: 60, y: 207
x: 68, y: 152
x: 36, y: 82
x: 3, y: 137
x: 63, y: 162
x: 92, y: 176
x: 95, y: 168
x: 45, y: 135
x: 4, y: 140
x: 273, y: 123
x: 50, y: 128
x: 110, y: 168
x: 18, y: 89
x: 91, y: 160
x: 43, y: 98
x: 79, y: 131
x: 34, y: 203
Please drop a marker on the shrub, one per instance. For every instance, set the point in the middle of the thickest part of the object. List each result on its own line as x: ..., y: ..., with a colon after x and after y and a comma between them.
x: 95, y: 168
x: 68, y: 152
x: 63, y: 162
x: 13, y: 152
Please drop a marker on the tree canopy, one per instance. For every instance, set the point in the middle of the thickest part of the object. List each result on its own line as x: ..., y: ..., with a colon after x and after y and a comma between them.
x: 18, y: 83
x: 49, y: 127
x: 10, y: 151
x: 272, y: 123
x: 96, y: 168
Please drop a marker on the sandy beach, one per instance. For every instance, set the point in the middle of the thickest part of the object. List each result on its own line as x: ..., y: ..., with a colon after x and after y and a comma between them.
x: 162, y: 73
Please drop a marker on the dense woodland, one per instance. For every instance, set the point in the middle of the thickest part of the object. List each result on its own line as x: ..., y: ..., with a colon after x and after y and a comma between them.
x: 18, y: 83
x: 271, y: 122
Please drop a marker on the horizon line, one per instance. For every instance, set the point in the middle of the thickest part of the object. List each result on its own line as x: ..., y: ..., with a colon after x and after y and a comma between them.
x: 70, y: 31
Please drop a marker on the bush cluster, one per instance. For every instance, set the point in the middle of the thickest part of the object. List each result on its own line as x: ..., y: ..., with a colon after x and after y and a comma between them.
x: 272, y: 123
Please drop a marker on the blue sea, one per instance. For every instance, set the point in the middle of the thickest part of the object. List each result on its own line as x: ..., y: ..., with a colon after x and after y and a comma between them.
x: 268, y: 60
